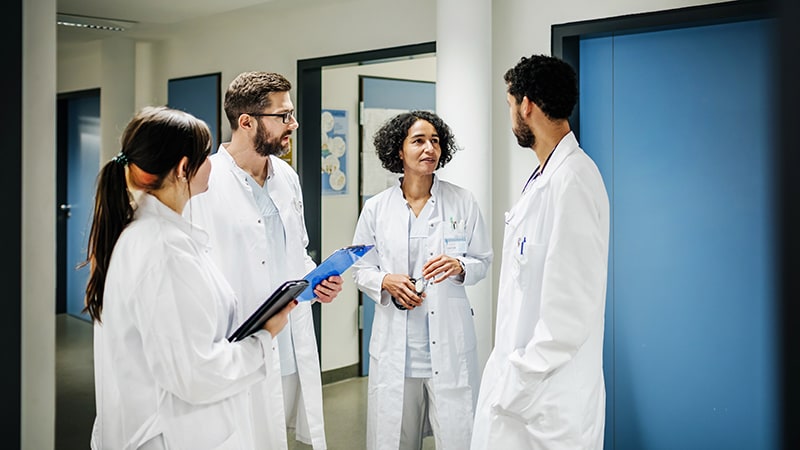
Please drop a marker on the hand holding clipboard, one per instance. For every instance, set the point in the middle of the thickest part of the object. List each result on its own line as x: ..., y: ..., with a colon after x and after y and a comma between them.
x: 271, y: 306
x: 335, y: 264
x: 303, y: 290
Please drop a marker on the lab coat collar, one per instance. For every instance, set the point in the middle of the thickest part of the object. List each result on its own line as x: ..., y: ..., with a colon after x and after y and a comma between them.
x: 149, y: 206
x: 434, y: 188
x: 567, y: 146
x: 229, y: 163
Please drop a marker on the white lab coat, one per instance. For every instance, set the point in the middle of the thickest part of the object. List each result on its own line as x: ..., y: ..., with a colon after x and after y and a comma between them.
x: 384, y: 222
x: 543, y: 384
x: 239, y: 246
x: 164, y: 370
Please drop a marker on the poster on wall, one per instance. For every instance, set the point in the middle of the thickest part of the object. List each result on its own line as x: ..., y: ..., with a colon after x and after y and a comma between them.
x: 374, y: 177
x: 334, y: 151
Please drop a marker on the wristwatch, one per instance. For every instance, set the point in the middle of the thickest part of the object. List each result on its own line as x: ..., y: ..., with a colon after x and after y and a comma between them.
x: 463, y: 267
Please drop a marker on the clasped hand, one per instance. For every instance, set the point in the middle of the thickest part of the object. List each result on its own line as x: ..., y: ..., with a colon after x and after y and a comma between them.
x: 436, y: 270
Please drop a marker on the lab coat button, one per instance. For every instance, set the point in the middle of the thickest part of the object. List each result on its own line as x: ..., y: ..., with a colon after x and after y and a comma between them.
x: 434, y: 342
x: 263, y: 262
x: 259, y: 220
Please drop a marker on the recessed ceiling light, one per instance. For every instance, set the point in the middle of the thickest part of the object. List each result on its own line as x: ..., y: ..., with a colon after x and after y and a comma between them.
x: 93, y: 23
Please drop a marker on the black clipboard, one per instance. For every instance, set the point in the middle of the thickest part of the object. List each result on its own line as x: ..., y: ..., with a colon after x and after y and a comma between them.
x: 281, y: 297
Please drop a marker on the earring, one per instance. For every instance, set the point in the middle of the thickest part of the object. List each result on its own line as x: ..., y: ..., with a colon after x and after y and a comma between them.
x: 183, y: 178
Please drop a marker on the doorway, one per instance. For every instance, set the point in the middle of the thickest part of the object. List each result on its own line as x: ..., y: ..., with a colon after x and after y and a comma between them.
x: 309, y: 107
x: 381, y: 99
x: 78, y: 161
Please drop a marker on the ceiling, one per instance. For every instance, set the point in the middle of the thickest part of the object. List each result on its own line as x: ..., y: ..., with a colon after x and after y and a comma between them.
x: 139, y: 16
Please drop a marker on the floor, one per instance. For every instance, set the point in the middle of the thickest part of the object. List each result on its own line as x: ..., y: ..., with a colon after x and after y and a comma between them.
x: 344, y: 402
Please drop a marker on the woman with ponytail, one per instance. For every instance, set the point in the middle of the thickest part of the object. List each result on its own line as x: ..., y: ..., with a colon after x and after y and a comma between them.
x: 165, y: 374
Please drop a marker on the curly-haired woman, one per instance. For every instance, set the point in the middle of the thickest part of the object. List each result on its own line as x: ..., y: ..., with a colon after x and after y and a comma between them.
x: 430, y: 242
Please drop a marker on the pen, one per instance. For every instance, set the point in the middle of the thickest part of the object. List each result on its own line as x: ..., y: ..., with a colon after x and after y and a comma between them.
x: 522, y: 246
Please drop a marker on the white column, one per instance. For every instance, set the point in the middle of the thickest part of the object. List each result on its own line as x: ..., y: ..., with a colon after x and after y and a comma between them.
x: 116, y: 93
x: 147, y: 88
x: 38, y: 362
x: 463, y: 100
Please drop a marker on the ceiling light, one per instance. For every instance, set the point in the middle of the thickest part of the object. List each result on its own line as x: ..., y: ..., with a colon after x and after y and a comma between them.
x: 93, y: 23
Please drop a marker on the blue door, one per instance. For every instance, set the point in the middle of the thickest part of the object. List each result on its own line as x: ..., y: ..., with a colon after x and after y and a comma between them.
x: 82, y: 125
x: 679, y: 123
x: 199, y: 96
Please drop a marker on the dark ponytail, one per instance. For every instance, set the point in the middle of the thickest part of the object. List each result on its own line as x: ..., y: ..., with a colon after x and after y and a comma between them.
x: 112, y: 213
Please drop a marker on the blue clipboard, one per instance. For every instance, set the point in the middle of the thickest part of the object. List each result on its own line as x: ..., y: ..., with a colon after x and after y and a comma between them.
x: 335, y: 264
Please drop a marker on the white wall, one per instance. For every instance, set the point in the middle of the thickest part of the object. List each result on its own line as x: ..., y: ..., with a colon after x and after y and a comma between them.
x: 79, y: 66
x: 340, y: 212
x: 273, y: 37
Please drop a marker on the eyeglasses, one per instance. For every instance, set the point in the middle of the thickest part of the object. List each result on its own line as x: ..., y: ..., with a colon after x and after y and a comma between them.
x: 286, y: 117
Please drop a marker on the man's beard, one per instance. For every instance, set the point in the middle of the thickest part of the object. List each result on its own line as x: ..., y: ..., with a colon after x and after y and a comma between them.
x: 266, y: 146
x: 523, y: 133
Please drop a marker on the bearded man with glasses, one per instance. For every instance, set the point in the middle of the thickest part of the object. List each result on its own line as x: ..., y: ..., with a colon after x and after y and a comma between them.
x: 253, y: 213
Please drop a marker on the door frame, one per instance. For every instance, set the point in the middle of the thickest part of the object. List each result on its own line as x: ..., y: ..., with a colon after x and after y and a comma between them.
x: 309, y: 108
x: 364, y: 303
x: 62, y: 153
x: 565, y: 44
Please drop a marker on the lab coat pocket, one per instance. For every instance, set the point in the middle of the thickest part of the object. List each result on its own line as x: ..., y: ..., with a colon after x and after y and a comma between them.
x: 509, y: 432
x: 529, y: 266
x: 206, y: 427
x: 294, y: 224
x: 376, y: 341
x: 462, y: 326
x: 455, y: 238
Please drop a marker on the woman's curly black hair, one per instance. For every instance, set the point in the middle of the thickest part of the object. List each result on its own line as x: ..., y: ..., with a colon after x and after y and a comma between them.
x: 389, y: 139
x: 548, y: 82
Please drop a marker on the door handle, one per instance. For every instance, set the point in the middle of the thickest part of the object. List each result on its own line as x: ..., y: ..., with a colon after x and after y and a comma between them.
x: 67, y: 208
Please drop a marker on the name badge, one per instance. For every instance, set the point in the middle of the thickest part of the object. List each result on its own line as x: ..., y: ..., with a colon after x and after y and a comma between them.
x: 456, y: 245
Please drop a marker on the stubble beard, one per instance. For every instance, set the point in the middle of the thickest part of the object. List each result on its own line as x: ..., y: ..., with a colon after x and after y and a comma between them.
x: 523, y: 133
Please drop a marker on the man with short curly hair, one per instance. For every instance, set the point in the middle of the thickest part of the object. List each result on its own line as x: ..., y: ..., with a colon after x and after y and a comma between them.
x: 543, y: 385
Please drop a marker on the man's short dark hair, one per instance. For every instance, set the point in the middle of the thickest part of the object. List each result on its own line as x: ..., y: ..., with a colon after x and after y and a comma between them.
x: 389, y: 139
x: 249, y: 92
x: 550, y: 83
